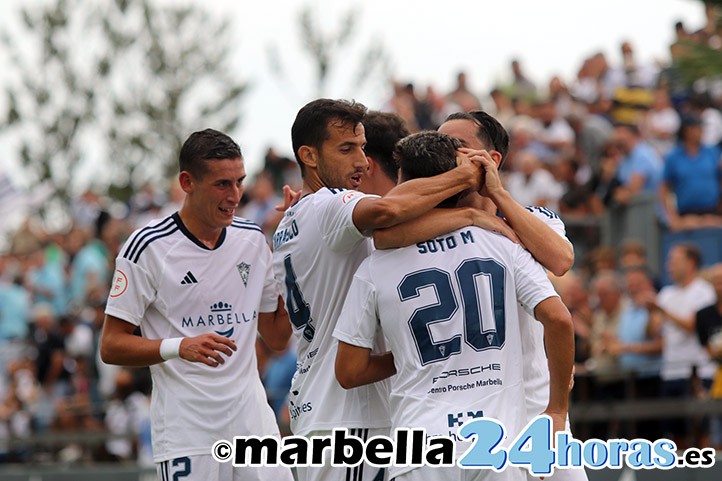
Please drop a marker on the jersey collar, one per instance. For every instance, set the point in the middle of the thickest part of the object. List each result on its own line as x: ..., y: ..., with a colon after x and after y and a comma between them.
x: 194, y: 239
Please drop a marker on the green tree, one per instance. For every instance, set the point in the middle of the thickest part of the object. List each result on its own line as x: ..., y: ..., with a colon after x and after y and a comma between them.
x: 703, y: 58
x: 115, y: 87
x: 327, y: 49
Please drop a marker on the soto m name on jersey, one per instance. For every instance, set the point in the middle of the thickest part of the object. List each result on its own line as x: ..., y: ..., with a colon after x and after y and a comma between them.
x: 443, y: 244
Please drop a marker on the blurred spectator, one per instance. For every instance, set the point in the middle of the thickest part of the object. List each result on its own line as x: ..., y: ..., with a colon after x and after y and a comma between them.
x: 577, y: 198
x: 503, y: 109
x: 637, y: 74
x: 693, y: 175
x: 607, y: 288
x: 90, y: 274
x: 14, y: 311
x: 683, y: 352
x: 709, y: 332
x: 402, y: 105
x: 276, y: 166
x: 555, y: 133
x: 46, y: 279
x: 262, y: 207
x: 559, y: 94
x: 702, y: 106
x: 85, y: 210
x: 522, y: 86
x: 591, y: 134
x: 640, y: 169
x: 638, y: 343
x: 574, y: 293
x: 606, y: 181
x: 462, y: 96
x: 661, y: 123
x: 127, y: 418
x: 531, y: 184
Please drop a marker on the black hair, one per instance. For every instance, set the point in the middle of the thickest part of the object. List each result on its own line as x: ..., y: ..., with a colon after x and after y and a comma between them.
x: 206, y: 145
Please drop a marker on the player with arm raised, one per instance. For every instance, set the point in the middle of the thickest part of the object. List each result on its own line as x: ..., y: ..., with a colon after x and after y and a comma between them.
x: 199, y: 286
x: 540, y: 230
x: 318, y: 246
x: 448, y: 309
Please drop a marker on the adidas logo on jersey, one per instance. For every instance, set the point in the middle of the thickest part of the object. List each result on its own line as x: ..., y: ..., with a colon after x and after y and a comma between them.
x: 189, y: 279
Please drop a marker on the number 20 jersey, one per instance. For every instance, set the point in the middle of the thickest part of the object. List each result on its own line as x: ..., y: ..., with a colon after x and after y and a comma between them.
x: 317, y: 249
x: 449, y: 312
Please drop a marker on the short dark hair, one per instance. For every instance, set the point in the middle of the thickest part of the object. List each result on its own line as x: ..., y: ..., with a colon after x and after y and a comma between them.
x: 691, y: 252
x: 489, y: 131
x: 426, y: 154
x: 312, y: 121
x: 206, y: 145
x: 383, y: 131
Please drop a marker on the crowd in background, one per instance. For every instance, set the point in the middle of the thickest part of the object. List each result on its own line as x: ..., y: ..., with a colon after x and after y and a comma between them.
x: 578, y: 146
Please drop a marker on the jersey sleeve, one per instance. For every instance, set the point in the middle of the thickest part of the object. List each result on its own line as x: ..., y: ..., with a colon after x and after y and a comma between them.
x: 358, y: 323
x: 269, y: 297
x: 131, y: 292
x: 550, y: 218
x: 532, y: 283
x: 336, y: 219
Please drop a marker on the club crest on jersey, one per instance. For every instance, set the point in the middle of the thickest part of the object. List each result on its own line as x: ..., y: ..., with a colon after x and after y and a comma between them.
x: 490, y: 338
x: 244, y: 270
x: 442, y: 350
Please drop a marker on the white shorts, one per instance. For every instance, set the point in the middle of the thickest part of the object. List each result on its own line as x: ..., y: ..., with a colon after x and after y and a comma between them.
x: 362, y: 472
x: 204, y: 468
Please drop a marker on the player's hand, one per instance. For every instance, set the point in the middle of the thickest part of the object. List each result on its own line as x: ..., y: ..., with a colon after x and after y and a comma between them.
x: 559, y: 423
x: 494, y: 223
x: 290, y: 197
x: 492, y: 184
x: 206, y: 349
x: 473, y: 169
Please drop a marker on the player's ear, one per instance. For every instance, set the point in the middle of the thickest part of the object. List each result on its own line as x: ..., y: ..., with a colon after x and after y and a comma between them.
x: 372, y: 165
x: 496, y: 157
x: 186, y: 181
x: 309, y: 156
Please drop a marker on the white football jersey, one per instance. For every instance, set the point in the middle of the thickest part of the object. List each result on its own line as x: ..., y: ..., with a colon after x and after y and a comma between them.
x: 171, y: 285
x: 448, y: 310
x: 317, y: 249
x: 536, y: 367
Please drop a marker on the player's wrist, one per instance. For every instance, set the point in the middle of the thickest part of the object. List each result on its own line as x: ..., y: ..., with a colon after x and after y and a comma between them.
x: 170, y: 348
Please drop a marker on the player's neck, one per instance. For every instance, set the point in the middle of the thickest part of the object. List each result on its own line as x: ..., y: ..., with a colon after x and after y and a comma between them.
x: 311, y: 183
x: 205, y: 234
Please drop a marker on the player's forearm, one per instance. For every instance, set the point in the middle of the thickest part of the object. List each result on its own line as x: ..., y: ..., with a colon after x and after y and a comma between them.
x: 548, y: 248
x: 129, y: 350
x: 434, y: 223
x: 559, y: 343
x: 410, y: 199
x: 356, y: 367
x: 275, y: 327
